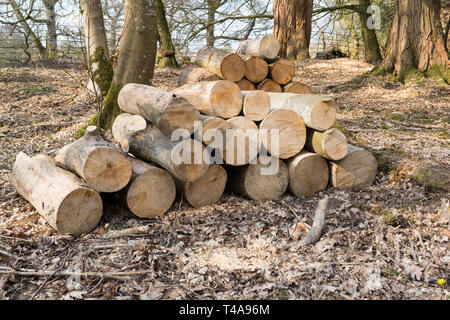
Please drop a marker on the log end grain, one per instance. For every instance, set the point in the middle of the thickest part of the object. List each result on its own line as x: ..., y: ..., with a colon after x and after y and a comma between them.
x: 246, y: 85
x: 256, y: 104
x: 242, y: 142
x: 323, y: 115
x: 188, y: 161
x: 226, y: 99
x: 282, y: 71
x: 210, y: 126
x: 232, y: 67
x: 256, y: 69
x: 335, y: 144
x: 269, y: 85
x: 297, y: 87
x: 269, y: 47
x: 179, y: 114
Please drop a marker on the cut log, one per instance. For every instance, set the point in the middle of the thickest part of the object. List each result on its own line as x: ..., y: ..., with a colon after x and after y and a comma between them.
x: 291, y: 136
x: 196, y: 74
x: 184, y: 160
x: 165, y: 110
x: 228, y: 66
x: 308, y: 174
x: 269, y: 85
x: 256, y: 104
x: 58, y: 195
x: 242, y: 142
x: 262, y: 181
x: 331, y: 144
x: 208, y: 130
x: 214, y: 98
x: 318, y: 111
x: 267, y: 48
x: 282, y: 71
x: 96, y: 160
x: 207, y: 190
x: 246, y: 85
x: 151, y: 191
x: 356, y: 171
x: 297, y: 87
x: 256, y: 69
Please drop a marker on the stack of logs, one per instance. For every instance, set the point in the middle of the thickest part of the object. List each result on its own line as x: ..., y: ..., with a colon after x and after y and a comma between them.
x: 167, y: 143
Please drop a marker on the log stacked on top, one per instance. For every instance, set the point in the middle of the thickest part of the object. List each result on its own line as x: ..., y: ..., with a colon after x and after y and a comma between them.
x: 198, y: 140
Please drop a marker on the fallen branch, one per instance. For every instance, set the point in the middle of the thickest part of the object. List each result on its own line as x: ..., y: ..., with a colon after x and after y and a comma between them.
x: 319, y: 222
x: 127, y: 232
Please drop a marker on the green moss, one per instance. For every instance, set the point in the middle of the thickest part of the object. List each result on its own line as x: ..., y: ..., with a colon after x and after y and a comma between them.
x: 110, y: 106
x: 439, y: 72
x: 92, y: 122
x: 103, y: 75
x: 379, y: 71
x: 398, y: 117
x: 37, y: 89
x: 444, y: 135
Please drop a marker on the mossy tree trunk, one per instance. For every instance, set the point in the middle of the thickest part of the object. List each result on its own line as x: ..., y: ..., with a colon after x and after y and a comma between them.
x: 368, y: 34
x: 166, y: 54
x: 137, y: 54
x: 292, y: 27
x: 416, y: 38
x: 51, y: 37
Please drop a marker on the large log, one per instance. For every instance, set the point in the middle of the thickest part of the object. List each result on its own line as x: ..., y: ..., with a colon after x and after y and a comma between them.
x: 165, y: 110
x: 256, y: 104
x: 242, y: 142
x: 269, y: 85
x: 207, y: 190
x: 58, y: 195
x: 318, y: 111
x: 184, y: 160
x: 96, y: 160
x: 196, y: 74
x: 297, y: 87
x: 267, y: 48
x: 151, y: 190
x: 214, y: 98
x: 308, y: 174
x: 331, y: 144
x: 256, y: 69
x: 246, y: 85
x: 356, y: 171
x: 255, y: 183
x: 282, y: 71
x: 228, y: 66
x: 291, y: 136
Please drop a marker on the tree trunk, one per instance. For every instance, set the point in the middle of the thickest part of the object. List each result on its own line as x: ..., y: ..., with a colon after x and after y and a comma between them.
x: 137, y: 54
x: 331, y: 144
x: 373, y: 52
x: 356, y: 171
x: 318, y: 111
x: 291, y: 136
x: 269, y: 85
x: 282, y: 71
x: 246, y: 85
x: 166, y: 49
x: 165, y: 110
x: 221, y: 98
x: 256, y: 104
x: 267, y: 48
x: 184, y: 160
x: 297, y: 87
x: 212, y: 7
x: 308, y: 174
x: 94, y: 27
x: 292, y: 27
x: 151, y: 190
x: 415, y: 37
x: 51, y: 38
x: 95, y: 160
x: 58, y: 195
x: 228, y: 66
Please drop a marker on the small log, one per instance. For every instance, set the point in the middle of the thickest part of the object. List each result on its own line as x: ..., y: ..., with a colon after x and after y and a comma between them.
x: 318, y: 111
x: 214, y: 98
x: 242, y: 142
x: 291, y: 136
x: 207, y: 190
x: 209, y: 127
x: 308, y: 174
x: 196, y: 74
x: 356, y: 171
x: 96, y: 160
x: 58, y: 195
x: 246, y: 85
x: 297, y: 87
x: 228, y: 66
x: 256, y: 69
x: 267, y: 48
x: 331, y: 144
x: 151, y: 191
x: 256, y: 104
x: 269, y: 85
x: 255, y: 183
x: 165, y: 110
x: 282, y: 71
x: 184, y: 160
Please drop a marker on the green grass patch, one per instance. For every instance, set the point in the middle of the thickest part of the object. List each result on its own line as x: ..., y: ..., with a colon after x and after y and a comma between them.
x: 36, y: 90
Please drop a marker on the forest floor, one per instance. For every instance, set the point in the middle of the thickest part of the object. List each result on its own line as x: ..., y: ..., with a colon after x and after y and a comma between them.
x: 390, y: 241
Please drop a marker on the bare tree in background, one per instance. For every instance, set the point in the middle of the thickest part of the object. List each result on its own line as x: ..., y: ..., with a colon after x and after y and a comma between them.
x: 166, y: 54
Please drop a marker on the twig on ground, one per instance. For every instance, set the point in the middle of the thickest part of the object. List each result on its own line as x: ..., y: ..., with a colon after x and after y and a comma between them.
x: 127, y: 232
x: 319, y: 222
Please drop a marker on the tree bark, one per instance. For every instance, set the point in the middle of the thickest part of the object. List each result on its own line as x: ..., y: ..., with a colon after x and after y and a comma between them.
x: 196, y: 74
x: 51, y: 38
x: 94, y: 27
x: 267, y: 48
x: 415, y: 37
x: 373, y: 52
x: 166, y: 53
x: 58, y: 195
x: 292, y: 27
x: 137, y: 54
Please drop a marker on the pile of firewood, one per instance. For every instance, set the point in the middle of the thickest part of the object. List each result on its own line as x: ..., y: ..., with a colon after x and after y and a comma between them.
x: 195, y: 140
